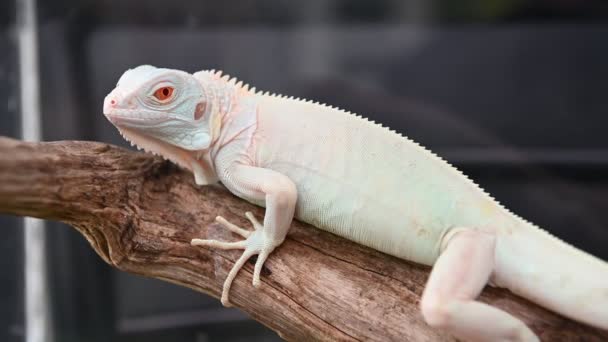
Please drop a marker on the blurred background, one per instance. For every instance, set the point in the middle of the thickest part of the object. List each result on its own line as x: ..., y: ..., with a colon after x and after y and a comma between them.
x: 512, y: 92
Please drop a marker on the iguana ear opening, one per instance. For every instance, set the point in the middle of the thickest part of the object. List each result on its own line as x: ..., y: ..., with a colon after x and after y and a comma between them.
x: 199, y: 111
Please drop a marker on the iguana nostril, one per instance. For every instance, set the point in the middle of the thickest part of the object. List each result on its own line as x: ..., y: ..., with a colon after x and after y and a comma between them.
x: 109, y: 103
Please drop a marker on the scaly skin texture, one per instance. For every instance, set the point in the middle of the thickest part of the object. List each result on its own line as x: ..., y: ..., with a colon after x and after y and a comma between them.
x: 359, y: 180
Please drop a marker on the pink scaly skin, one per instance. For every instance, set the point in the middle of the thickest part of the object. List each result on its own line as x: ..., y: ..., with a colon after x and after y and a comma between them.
x: 361, y: 181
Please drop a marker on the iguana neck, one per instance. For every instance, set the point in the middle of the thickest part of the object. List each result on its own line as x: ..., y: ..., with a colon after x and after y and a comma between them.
x: 234, y: 111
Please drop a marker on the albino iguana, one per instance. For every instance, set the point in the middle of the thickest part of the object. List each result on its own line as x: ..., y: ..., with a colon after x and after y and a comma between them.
x: 357, y: 179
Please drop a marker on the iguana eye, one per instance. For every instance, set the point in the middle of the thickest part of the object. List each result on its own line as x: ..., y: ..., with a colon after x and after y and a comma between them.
x: 164, y: 93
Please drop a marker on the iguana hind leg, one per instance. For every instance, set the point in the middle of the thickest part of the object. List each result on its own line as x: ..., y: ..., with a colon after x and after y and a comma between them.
x: 457, y: 278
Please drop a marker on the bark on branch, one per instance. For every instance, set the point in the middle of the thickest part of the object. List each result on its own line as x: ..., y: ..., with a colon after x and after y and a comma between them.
x: 139, y: 213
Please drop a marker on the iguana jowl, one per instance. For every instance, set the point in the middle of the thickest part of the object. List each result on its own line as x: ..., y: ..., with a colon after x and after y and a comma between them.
x: 352, y: 177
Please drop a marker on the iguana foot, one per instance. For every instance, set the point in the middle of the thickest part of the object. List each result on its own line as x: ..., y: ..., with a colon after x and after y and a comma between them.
x: 255, y: 242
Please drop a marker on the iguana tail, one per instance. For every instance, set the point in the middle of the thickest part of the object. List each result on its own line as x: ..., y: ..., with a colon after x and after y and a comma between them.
x: 540, y: 267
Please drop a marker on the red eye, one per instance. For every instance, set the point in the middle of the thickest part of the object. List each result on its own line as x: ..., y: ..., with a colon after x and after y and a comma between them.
x: 163, y: 93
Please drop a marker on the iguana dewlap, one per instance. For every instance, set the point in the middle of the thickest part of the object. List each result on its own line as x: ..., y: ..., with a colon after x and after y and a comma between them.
x: 359, y: 180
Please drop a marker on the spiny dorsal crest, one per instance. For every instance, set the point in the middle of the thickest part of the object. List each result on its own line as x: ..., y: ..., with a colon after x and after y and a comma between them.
x: 239, y: 84
x: 219, y: 75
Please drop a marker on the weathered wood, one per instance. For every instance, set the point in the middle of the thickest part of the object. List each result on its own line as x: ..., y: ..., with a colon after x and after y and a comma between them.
x: 139, y: 213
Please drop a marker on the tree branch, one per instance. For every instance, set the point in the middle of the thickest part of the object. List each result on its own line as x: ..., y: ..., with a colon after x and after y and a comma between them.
x: 139, y: 213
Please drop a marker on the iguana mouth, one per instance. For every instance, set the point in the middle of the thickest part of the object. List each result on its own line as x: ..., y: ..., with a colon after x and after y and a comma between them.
x: 135, y: 118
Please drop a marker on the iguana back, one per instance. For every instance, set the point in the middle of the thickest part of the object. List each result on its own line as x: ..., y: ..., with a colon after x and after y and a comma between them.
x: 364, y: 182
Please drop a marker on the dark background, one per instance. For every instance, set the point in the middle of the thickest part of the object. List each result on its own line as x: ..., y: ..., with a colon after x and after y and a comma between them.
x: 512, y: 92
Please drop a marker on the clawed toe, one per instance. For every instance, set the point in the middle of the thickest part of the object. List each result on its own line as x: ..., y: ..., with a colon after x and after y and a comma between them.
x: 219, y: 244
x: 259, y: 264
x: 256, y: 224
x: 232, y: 227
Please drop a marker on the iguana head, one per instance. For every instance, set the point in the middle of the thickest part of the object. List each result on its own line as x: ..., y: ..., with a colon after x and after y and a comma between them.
x: 152, y: 106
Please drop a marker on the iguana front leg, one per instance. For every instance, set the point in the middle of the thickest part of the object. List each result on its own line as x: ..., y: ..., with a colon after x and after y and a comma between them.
x: 256, y: 184
x: 457, y: 278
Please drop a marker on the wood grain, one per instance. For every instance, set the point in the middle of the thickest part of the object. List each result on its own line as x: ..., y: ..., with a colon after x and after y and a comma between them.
x: 139, y: 213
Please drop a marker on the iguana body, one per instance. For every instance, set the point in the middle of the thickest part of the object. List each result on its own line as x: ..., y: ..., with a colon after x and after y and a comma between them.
x: 361, y: 181
x: 366, y: 183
